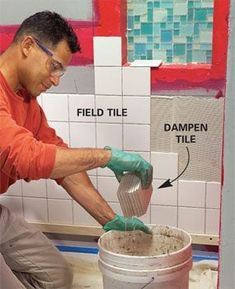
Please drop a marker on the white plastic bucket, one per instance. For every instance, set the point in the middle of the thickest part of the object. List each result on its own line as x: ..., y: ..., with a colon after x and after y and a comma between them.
x: 134, y: 260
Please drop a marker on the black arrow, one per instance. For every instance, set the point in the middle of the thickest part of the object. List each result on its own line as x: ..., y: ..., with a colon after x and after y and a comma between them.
x: 168, y: 183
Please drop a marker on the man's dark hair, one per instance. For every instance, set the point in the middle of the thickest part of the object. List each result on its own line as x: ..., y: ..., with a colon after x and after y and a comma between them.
x: 49, y: 28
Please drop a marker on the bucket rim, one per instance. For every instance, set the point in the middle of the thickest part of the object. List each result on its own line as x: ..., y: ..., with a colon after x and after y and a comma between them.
x: 148, y: 256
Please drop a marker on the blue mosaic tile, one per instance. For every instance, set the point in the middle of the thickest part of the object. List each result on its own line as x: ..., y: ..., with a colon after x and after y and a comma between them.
x: 172, y: 30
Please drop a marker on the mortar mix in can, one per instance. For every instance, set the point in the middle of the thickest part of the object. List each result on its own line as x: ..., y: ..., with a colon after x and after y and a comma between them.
x: 135, y: 260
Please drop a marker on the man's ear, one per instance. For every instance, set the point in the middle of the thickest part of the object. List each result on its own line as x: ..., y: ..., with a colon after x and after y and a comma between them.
x: 26, y: 45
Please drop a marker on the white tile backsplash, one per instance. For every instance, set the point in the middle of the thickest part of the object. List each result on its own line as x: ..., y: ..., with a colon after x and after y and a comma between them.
x: 111, y: 107
x: 108, y: 80
x: 55, y: 207
x: 55, y: 191
x: 62, y: 130
x: 164, y: 196
x: 15, y: 189
x: 192, y: 193
x: 82, y: 217
x: 15, y: 204
x: 109, y: 135
x: 35, y: 189
x: 35, y: 210
x: 55, y: 106
x: 82, y: 107
x: 108, y: 186
x: 136, y: 137
x: 82, y: 134
x: 213, y: 195
x: 138, y: 109
x: 164, y: 215
x: 191, y: 219
x: 107, y: 51
x: 136, y: 81
x: 165, y: 165
x: 212, y: 221
x: 190, y: 204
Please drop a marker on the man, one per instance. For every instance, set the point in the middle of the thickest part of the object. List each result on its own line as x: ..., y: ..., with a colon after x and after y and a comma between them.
x: 30, y: 149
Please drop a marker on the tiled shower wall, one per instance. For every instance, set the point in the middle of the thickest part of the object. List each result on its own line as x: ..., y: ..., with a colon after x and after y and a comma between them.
x: 192, y: 205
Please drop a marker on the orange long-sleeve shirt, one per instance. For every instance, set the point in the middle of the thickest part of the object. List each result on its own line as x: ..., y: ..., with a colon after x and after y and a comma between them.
x: 27, y: 143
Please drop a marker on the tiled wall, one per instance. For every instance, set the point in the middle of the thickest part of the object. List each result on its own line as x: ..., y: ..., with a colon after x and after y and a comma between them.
x: 175, y: 31
x: 193, y: 205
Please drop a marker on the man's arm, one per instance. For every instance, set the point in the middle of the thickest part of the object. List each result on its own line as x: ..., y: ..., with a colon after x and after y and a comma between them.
x: 81, y: 190
x: 71, y: 161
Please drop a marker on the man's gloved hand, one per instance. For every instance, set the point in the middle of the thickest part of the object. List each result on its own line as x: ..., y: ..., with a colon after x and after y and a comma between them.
x: 121, y: 223
x: 121, y: 162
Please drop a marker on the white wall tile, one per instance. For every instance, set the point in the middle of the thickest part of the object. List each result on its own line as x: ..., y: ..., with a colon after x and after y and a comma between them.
x: 12, y: 203
x: 106, y: 103
x: 164, y: 215
x: 145, y: 155
x: 82, y: 135
x: 192, y: 193
x: 15, y: 189
x: 62, y: 130
x: 108, y: 186
x: 81, y: 217
x: 136, y: 137
x: 55, y: 106
x: 82, y: 101
x: 55, y: 191
x: 191, y: 219
x: 213, y: 194
x: 116, y: 207
x: 136, y: 81
x: 35, y: 189
x: 105, y: 172
x: 109, y: 135
x: 146, y: 217
x: 138, y: 109
x: 212, y: 221
x: 108, y: 80
x: 164, y: 196
x: 165, y: 165
x: 35, y: 209
x: 60, y: 211
x: 107, y: 51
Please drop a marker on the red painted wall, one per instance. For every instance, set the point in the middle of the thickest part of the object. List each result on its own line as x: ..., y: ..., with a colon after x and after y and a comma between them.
x: 109, y: 19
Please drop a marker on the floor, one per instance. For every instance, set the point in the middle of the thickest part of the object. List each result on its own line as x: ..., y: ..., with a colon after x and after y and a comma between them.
x: 87, y: 274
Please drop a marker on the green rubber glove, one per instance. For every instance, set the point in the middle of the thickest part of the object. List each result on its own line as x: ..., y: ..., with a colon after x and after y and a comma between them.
x: 121, y: 223
x: 121, y: 162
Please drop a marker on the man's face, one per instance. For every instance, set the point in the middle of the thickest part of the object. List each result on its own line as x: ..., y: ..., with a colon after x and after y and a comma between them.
x: 44, y: 67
